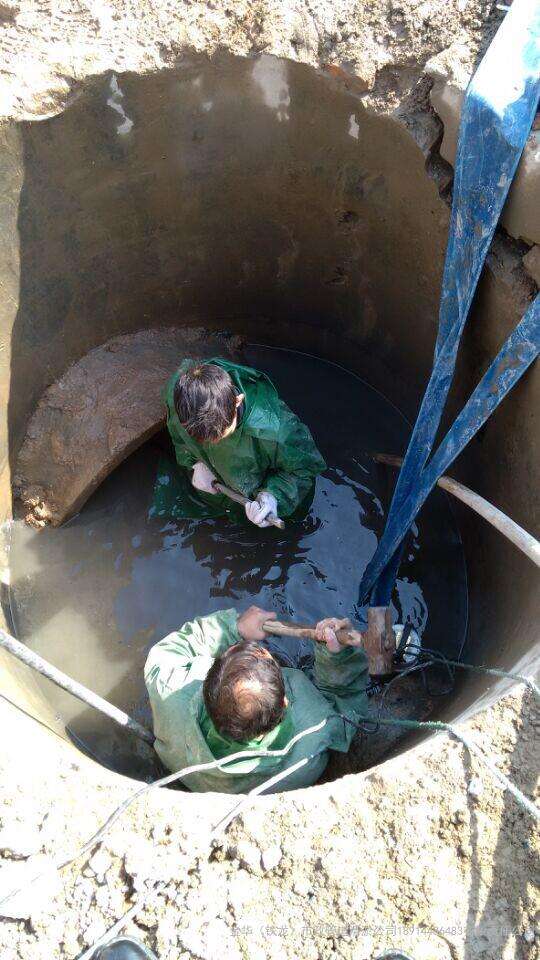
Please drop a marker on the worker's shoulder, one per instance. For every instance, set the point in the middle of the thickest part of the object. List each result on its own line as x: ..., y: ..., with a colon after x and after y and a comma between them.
x: 308, y: 705
x: 263, y: 415
x: 160, y: 650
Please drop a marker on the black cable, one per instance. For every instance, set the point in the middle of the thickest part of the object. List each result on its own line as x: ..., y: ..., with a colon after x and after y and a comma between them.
x: 373, y: 726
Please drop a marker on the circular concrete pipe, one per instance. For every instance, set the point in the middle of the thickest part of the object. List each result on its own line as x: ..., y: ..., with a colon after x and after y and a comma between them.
x: 260, y: 198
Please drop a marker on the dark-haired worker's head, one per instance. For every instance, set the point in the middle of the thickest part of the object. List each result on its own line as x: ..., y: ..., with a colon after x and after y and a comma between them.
x: 206, y: 402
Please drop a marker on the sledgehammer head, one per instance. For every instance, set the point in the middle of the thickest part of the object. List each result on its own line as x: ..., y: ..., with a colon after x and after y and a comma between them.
x: 379, y: 642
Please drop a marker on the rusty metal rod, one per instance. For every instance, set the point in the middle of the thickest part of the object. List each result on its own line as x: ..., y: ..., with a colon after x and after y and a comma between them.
x: 46, y: 669
x: 240, y: 498
x: 509, y: 528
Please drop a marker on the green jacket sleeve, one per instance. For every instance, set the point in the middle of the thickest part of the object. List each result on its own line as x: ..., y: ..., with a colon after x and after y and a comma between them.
x: 297, y: 463
x: 170, y: 663
x: 184, y: 456
x: 342, y: 678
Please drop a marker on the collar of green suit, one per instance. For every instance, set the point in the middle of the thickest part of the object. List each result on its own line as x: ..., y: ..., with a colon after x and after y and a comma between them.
x: 222, y: 746
x: 240, y: 410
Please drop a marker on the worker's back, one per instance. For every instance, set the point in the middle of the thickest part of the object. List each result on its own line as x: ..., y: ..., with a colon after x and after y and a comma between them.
x: 311, y: 726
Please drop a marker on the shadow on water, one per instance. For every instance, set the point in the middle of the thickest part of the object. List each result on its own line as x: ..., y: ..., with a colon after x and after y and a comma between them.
x: 94, y: 596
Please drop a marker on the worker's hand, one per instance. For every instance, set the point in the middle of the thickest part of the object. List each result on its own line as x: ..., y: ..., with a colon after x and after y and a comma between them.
x: 326, y: 631
x: 258, y: 510
x: 203, y: 478
x: 250, y: 623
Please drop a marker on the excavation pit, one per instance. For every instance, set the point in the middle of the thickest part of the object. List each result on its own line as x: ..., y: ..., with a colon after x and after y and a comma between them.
x: 98, y: 592
x: 255, y: 197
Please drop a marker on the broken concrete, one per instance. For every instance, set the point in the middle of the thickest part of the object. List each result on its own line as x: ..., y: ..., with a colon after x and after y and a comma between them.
x: 531, y: 262
x: 100, y: 411
x: 521, y: 214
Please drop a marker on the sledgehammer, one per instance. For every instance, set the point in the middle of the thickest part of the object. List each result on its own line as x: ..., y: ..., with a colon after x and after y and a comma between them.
x: 379, y: 640
x: 240, y: 498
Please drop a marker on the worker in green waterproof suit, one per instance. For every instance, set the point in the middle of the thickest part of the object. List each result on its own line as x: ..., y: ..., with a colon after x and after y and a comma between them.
x: 228, y: 423
x: 216, y: 690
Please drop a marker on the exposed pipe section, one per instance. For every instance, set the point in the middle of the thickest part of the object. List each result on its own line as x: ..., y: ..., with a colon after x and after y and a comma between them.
x: 509, y: 528
x: 31, y: 659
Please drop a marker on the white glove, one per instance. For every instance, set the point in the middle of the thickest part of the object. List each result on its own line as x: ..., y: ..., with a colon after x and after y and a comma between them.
x: 257, y: 510
x: 203, y: 478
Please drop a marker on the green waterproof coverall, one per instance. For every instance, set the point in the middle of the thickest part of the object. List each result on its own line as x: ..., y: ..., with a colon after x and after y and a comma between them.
x: 270, y: 449
x: 185, y: 735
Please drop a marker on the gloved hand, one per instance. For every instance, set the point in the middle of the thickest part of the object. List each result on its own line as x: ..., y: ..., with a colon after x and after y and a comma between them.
x: 203, y: 478
x: 257, y: 510
x: 326, y: 630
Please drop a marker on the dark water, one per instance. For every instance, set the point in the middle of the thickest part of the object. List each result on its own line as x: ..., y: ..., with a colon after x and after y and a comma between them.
x: 95, y: 595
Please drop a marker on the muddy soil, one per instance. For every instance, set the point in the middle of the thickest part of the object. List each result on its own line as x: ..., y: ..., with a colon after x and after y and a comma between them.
x: 381, y: 48
x: 426, y: 854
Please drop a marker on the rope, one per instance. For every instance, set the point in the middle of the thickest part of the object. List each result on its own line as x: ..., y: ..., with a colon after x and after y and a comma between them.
x: 493, y: 671
x: 472, y: 747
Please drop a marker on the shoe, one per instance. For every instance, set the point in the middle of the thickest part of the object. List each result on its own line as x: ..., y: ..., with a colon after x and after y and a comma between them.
x: 124, y: 948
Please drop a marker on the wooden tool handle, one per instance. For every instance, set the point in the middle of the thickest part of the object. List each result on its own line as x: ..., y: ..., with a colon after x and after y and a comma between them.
x: 282, y: 628
x: 230, y: 493
x: 347, y: 636
x: 240, y: 498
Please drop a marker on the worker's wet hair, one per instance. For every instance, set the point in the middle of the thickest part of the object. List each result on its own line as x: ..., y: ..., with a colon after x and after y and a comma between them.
x: 205, y: 401
x: 244, y: 692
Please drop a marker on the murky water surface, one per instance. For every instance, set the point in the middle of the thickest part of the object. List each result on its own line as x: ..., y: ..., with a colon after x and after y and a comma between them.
x: 95, y: 595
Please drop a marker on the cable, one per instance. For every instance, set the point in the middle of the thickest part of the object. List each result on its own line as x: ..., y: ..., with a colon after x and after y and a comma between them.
x: 433, y: 658
x: 111, y: 932
x: 439, y: 659
x: 524, y: 801
x: 170, y: 778
x: 493, y: 671
x: 221, y: 825
x: 374, y: 723
x: 225, y: 821
x: 217, y: 828
x: 430, y: 658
